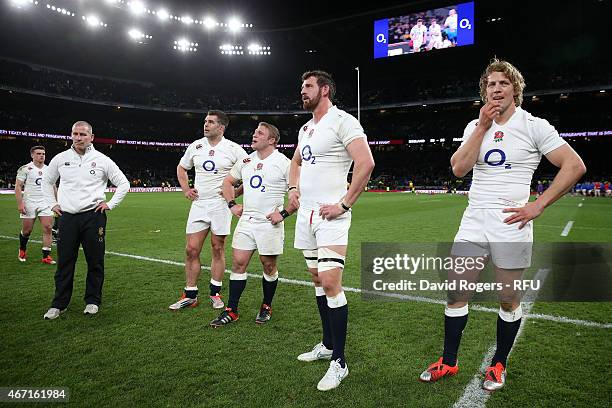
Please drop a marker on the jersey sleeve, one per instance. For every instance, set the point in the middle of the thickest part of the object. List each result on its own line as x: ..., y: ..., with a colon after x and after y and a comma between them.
x: 187, y: 159
x: 241, y: 154
x: 236, y: 171
x: 22, y: 173
x: 349, y: 130
x: 116, y: 176
x: 287, y: 168
x: 546, y: 137
x: 467, y: 132
x: 49, y: 179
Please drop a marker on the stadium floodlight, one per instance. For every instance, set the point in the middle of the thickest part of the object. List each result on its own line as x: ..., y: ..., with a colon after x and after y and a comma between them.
x: 210, y: 23
x: 137, y: 7
x: 135, y: 34
x: 21, y: 3
x: 184, y: 45
x: 234, y: 24
x: 93, y: 20
x: 187, y: 20
x: 256, y: 49
x: 162, y: 14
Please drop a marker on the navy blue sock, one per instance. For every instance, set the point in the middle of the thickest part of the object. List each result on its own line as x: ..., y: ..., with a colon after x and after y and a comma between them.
x: 269, y: 289
x: 453, y: 329
x: 214, y: 289
x: 23, y: 242
x: 506, y: 333
x: 191, y: 294
x: 339, y: 321
x: 236, y: 287
x: 325, y: 322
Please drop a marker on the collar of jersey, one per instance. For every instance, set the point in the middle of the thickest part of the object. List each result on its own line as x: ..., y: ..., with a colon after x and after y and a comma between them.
x: 514, y: 115
x: 205, y: 139
x: 333, y: 107
x: 271, y: 154
x: 88, y: 149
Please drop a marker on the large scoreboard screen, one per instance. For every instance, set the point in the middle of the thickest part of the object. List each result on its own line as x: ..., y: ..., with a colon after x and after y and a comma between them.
x: 423, y: 31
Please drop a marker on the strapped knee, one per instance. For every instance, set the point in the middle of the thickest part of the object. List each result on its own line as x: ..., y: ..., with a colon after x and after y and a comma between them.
x: 329, y: 259
x: 310, y: 255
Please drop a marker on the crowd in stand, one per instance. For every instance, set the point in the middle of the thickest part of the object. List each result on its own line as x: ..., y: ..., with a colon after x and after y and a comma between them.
x: 423, y: 165
x: 403, y: 170
x: 114, y: 91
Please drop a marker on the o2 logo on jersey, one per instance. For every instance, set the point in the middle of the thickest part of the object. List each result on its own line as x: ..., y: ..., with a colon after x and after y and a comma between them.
x: 307, y: 154
x: 257, y: 182
x: 496, y: 157
x: 38, y: 181
x: 209, y: 166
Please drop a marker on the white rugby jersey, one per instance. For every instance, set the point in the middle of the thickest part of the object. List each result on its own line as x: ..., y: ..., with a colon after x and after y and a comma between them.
x: 325, y: 160
x: 31, y: 177
x: 83, y: 181
x: 509, y: 154
x: 211, y: 164
x: 265, y: 183
x: 418, y: 33
x: 435, y: 30
x: 451, y: 21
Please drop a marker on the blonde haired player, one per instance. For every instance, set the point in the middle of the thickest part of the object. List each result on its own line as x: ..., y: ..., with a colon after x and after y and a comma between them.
x: 503, y: 147
x: 265, y: 176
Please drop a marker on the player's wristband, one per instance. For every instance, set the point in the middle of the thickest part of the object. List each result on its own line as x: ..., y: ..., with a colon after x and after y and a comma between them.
x: 284, y: 213
x: 344, y: 206
x: 231, y: 203
x: 292, y: 188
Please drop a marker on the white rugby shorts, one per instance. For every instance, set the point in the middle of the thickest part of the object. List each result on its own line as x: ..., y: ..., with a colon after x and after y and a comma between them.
x: 213, y: 215
x: 251, y: 234
x: 36, y: 209
x: 483, y: 232
x: 312, y: 231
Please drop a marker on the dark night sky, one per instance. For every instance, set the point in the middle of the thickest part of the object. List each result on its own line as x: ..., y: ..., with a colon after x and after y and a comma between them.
x: 542, y: 34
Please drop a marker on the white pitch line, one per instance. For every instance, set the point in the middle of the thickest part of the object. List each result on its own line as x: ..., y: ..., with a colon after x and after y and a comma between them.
x: 567, y: 229
x: 538, y: 316
x: 474, y: 396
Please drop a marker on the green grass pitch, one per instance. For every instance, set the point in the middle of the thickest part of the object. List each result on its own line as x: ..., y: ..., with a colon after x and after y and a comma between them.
x: 136, y: 352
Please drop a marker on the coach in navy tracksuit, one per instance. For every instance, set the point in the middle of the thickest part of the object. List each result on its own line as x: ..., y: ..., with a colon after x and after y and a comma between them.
x: 84, y: 173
